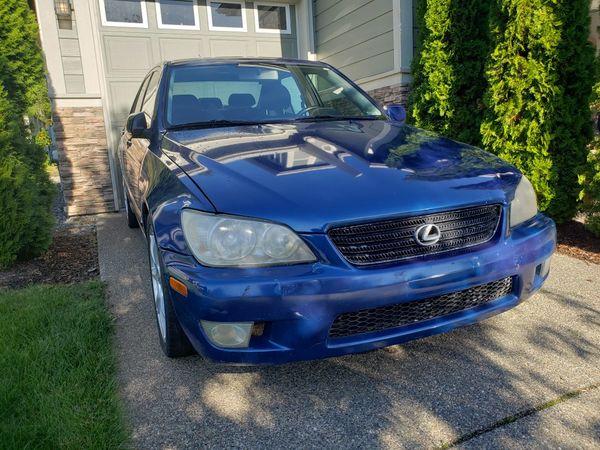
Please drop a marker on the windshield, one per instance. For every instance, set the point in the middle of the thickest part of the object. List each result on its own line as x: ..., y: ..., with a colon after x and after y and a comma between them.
x: 262, y: 93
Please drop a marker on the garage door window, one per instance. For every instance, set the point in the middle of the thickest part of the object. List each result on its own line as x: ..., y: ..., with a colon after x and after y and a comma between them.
x: 177, y: 14
x: 124, y: 13
x: 272, y: 18
x: 227, y: 16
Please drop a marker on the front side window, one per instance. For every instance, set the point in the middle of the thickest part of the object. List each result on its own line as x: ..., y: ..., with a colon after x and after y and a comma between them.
x: 227, y: 16
x: 150, y: 97
x: 272, y: 18
x: 177, y: 14
x: 137, y: 103
x: 124, y: 13
x: 262, y: 93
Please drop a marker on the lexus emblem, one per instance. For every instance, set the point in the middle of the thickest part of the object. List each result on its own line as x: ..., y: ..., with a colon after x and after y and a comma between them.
x: 428, y: 234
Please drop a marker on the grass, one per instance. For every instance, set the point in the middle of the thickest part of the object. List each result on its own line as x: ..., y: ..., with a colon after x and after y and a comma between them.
x: 58, y: 385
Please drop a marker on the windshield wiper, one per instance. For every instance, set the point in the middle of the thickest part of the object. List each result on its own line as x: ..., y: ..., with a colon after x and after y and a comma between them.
x: 213, y: 123
x: 327, y: 117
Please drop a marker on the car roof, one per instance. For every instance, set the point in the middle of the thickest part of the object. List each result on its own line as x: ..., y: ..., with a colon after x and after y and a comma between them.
x: 217, y: 61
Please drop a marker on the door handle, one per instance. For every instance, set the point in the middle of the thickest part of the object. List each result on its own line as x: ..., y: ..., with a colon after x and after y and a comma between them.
x: 128, y: 143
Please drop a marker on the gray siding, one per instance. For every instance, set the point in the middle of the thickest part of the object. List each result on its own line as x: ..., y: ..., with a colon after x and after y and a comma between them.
x: 71, y: 57
x: 355, y: 36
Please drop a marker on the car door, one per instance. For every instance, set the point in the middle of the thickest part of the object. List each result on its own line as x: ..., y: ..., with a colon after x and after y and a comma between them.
x: 137, y: 148
x: 127, y: 168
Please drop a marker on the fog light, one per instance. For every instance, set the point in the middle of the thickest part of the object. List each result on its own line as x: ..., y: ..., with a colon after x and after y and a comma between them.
x: 227, y: 334
x: 544, y: 268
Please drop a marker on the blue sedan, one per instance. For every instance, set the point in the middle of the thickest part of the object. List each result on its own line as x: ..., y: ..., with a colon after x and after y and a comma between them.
x: 288, y: 217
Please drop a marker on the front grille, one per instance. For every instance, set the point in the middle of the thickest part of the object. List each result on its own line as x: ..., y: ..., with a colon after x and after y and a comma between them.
x: 392, y: 316
x: 394, y: 240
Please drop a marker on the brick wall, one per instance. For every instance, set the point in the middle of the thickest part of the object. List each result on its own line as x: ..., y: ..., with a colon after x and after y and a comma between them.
x: 83, y: 160
x: 391, y: 94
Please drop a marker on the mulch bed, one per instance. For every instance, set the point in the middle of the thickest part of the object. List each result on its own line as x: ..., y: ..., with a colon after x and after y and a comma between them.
x: 72, y: 257
x: 574, y: 240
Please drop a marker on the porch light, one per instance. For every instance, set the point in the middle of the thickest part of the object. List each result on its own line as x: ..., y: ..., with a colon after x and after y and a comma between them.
x: 63, y: 9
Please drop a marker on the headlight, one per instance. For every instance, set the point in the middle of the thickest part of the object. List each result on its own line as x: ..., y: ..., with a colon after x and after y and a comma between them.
x: 524, y: 205
x: 226, y: 241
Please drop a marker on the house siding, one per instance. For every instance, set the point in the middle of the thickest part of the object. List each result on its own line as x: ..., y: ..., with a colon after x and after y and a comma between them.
x: 355, y: 36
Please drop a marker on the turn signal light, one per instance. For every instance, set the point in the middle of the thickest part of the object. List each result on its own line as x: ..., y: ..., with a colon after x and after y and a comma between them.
x: 178, y: 286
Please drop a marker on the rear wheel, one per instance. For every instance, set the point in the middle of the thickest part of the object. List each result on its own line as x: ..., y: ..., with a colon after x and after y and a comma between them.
x: 132, y: 221
x: 172, y: 338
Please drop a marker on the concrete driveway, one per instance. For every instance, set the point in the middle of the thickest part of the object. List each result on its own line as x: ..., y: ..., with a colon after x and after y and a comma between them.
x: 477, y: 387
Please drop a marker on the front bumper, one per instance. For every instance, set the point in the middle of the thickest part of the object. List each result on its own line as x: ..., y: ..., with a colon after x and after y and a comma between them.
x: 298, y: 304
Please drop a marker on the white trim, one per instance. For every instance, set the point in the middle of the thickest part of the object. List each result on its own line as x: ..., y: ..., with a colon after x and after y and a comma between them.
x: 100, y: 64
x: 106, y: 23
x: 397, y: 34
x: 211, y: 27
x: 288, y: 20
x: 161, y: 25
x: 305, y: 30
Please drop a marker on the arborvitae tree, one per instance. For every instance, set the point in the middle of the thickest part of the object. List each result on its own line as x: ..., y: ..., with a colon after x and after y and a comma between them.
x: 449, y: 67
x: 25, y: 191
x: 540, y: 78
x: 24, y: 75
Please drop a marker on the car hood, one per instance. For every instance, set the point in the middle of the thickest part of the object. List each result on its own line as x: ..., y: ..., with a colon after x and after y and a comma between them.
x: 311, y: 176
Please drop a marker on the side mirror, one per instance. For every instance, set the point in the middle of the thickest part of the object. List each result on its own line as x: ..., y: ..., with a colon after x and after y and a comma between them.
x: 397, y: 113
x: 137, y: 126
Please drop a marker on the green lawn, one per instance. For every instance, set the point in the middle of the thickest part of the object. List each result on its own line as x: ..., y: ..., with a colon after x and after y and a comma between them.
x: 57, y: 370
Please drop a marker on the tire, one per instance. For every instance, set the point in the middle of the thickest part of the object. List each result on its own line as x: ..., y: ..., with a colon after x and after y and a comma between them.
x: 173, y: 340
x: 132, y: 221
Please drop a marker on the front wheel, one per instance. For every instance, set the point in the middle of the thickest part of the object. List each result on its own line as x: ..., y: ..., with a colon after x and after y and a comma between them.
x: 172, y: 338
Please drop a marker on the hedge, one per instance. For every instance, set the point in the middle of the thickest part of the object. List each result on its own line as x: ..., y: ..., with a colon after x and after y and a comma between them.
x: 26, y: 192
x: 449, y: 67
x: 540, y: 77
x: 515, y: 76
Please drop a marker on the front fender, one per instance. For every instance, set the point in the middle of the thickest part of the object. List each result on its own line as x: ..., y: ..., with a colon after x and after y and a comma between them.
x: 168, y: 190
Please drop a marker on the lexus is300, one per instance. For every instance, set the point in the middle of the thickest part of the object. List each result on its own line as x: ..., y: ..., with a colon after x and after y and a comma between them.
x: 288, y: 216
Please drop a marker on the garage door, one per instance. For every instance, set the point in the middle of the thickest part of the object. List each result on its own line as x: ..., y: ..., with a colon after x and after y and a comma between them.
x: 135, y: 35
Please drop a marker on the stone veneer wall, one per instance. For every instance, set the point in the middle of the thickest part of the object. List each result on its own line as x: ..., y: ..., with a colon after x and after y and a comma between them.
x: 391, y: 94
x: 83, y: 160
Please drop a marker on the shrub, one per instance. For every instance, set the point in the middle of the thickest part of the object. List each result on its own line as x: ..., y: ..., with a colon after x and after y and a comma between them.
x: 25, y: 191
x: 590, y: 178
x: 540, y: 76
x: 23, y: 75
x: 590, y: 194
x: 449, y: 67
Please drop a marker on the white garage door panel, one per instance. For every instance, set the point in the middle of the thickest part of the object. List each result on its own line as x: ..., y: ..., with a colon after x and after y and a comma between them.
x: 276, y: 49
x: 171, y: 49
x: 122, y: 94
x: 128, y: 53
x: 229, y: 47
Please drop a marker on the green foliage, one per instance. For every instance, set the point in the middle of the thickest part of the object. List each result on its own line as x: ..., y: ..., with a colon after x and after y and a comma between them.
x: 590, y: 178
x: 590, y: 194
x: 42, y: 138
x: 449, y: 68
x: 25, y: 191
x: 540, y: 76
x: 23, y: 76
